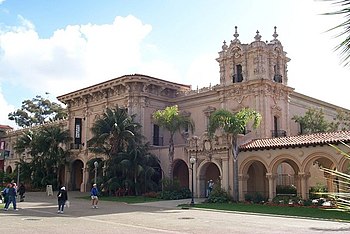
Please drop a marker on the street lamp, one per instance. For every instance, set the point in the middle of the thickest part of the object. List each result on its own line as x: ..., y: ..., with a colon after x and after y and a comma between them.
x: 96, y: 165
x: 192, y: 161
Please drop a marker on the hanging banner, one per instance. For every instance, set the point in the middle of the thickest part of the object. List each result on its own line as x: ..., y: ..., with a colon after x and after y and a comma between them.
x: 77, y: 131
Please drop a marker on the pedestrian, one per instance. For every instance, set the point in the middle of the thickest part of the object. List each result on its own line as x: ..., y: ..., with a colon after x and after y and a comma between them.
x: 12, y: 192
x: 21, y: 192
x: 94, y: 196
x: 62, y: 198
x: 210, y: 187
x: 5, y: 193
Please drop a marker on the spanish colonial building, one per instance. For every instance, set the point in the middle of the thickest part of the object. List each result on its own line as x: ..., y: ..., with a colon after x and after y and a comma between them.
x: 253, y: 75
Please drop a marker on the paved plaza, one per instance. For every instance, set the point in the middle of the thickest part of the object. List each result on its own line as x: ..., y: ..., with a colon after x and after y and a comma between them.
x: 38, y: 215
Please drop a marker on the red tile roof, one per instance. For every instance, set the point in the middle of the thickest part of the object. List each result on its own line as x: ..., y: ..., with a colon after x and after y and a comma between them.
x: 297, y: 141
x: 5, y: 127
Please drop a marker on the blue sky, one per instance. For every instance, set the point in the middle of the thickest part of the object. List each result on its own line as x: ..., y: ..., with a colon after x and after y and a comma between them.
x: 59, y: 46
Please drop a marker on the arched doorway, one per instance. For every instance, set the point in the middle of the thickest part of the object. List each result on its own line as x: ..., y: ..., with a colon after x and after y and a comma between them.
x: 180, y: 173
x: 77, y: 174
x: 9, y: 170
x: 257, y: 182
x: 209, y: 171
x: 285, y: 173
x: 317, y: 178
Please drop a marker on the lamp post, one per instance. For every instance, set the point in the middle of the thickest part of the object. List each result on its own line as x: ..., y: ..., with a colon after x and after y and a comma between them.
x: 192, y: 161
x: 96, y: 165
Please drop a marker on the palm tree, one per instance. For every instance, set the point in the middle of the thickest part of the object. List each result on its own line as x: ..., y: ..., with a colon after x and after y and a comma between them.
x: 46, y: 147
x: 172, y: 120
x: 344, y: 46
x: 233, y: 125
x: 112, y: 135
x: 113, y: 132
x: 136, y: 161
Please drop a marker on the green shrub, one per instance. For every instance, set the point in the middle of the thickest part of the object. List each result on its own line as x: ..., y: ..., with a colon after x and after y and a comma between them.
x: 286, y: 189
x: 173, y: 191
x: 286, y: 199
x: 219, y: 195
x: 257, y: 198
x: 318, y: 191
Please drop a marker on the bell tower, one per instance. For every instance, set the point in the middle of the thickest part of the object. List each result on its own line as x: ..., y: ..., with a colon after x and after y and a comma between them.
x: 258, y: 60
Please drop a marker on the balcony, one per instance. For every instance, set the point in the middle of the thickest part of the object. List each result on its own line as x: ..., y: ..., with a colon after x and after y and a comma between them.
x: 278, y: 133
x: 76, y: 146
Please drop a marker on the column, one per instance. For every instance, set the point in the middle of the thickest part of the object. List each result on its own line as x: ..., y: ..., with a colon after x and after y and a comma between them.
x: 242, y: 186
x: 225, y: 174
x: 85, y: 179
x: 272, y: 187
x: 304, y: 184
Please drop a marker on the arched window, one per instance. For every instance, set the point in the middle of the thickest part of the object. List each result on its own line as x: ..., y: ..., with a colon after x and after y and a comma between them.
x: 238, y: 76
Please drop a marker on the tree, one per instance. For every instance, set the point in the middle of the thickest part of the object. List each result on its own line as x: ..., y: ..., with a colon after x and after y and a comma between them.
x: 233, y: 125
x: 342, y: 120
x: 37, y: 111
x: 111, y: 135
x: 172, y: 120
x: 117, y: 136
x: 113, y: 132
x: 47, y: 149
x: 314, y: 121
x: 137, y: 161
x: 344, y: 46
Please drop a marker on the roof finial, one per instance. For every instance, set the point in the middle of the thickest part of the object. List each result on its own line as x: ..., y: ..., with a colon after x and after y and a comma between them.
x: 257, y: 36
x: 224, y: 46
x: 236, y: 35
x: 275, y: 35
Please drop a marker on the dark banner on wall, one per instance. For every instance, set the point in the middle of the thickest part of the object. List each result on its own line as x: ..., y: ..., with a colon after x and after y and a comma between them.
x: 77, y: 131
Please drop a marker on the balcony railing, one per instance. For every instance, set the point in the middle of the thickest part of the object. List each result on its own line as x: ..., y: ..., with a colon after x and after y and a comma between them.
x: 76, y: 146
x: 278, y: 133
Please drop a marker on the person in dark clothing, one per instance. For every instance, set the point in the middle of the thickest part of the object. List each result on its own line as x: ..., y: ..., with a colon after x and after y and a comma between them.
x: 62, y: 198
x: 12, y: 192
x: 21, y: 192
x: 5, y: 193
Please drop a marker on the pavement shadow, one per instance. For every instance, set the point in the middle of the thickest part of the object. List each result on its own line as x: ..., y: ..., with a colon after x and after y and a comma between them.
x: 39, y: 205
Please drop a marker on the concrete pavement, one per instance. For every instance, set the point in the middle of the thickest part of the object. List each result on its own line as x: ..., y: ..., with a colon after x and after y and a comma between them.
x: 38, y: 215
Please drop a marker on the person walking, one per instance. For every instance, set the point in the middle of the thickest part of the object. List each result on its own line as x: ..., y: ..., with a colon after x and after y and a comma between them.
x: 5, y: 193
x: 12, y: 192
x: 94, y: 196
x: 62, y: 197
x: 21, y: 192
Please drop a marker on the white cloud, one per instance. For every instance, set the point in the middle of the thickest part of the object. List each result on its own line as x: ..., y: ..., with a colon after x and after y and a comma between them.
x: 5, y: 109
x: 73, y: 57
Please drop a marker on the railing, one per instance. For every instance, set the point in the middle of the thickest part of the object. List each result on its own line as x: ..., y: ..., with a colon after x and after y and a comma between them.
x: 76, y: 146
x: 278, y: 133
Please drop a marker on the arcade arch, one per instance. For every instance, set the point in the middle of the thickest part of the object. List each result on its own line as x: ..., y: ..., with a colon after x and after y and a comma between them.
x: 208, y: 170
x: 181, y: 172
x: 9, y: 170
x: 77, y: 174
x: 316, y: 177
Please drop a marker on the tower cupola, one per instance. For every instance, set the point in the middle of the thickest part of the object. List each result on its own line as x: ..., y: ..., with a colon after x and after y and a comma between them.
x: 258, y: 60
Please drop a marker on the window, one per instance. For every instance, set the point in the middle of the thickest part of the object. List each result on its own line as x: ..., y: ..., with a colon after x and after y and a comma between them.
x: 156, y: 140
x: 238, y: 76
x: 277, y: 77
